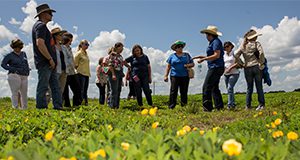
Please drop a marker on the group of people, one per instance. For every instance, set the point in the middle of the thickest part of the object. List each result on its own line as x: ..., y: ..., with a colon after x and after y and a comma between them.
x: 58, y: 69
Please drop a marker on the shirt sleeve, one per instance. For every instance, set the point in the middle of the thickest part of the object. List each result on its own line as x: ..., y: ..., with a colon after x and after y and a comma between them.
x: 129, y: 59
x: 76, y: 59
x: 190, y: 59
x: 147, y: 60
x: 261, y: 58
x: 41, y: 31
x: 169, y: 59
x: 5, y: 64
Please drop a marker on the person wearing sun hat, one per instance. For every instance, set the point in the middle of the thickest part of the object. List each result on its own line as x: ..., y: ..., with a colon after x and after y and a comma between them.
x: 254, y: 57
x: 45, y: 59
x: 178, y: 63
x: 215, y: 61
x: 18, y: 70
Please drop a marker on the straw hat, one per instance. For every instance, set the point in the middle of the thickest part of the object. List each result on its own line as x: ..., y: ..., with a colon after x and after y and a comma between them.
x: 211, y: 30
x: 57, y: 30
x: 43, y: 8
x: 16, y: 43
x: 253, y: 34
x: 174, y: 45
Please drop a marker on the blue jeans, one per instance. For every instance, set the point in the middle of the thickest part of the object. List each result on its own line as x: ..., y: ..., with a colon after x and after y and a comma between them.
x: 254, y: 74
x: 84, y: 85
x: 47, y: 77
x: 115, y: 89
x: 230, y: 81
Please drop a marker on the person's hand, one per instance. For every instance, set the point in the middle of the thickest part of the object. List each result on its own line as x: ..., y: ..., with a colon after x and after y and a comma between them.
x: 150, y: 79
x: 200, y: 60
x: 114, y: 77
x: 126, y: 83
x: 185, y: 65
x: 166, y: 78
x: 52, y: 64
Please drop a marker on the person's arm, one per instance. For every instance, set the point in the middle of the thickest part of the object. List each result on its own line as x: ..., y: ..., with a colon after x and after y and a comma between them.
x: 98, y: 70
x: 190, y: 63
x: 198, y: 57
x: 168, y: 68
x: 43, y: 49
x: 76, y: 60
x: 127, y: 77
x: 261, y: 58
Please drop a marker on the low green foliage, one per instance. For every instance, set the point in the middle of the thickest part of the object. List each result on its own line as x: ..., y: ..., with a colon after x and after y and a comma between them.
x: 82, y: 131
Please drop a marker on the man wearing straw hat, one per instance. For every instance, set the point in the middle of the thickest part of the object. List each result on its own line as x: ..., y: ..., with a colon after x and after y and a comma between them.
x: 45, y: 59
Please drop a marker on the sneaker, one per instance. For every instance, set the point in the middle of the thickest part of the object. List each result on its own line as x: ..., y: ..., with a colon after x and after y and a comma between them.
x: 248, y: 107
x: 260, y: 107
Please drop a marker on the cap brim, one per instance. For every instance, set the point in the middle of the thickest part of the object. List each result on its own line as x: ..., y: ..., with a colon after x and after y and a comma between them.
x: 255, y: 35
x: 173, y: 47
x: 211, y: 32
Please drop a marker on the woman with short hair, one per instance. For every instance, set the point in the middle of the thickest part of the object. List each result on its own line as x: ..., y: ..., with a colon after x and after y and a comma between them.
x: 18, y: 70
x: 215, y: 62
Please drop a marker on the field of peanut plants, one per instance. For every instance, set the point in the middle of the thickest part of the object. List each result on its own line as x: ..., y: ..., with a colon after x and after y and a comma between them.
x: 132, y: 132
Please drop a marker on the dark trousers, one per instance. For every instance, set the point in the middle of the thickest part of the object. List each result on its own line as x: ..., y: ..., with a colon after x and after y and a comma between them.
x: 254, y: 74
x: 101, y: 92
x: 84, y: 85
x: 182, y: 83
x: 143, y: 84
x: 73, y: 82
x: 211, y: 89
x: 131, y: 89
x: 115, y: 89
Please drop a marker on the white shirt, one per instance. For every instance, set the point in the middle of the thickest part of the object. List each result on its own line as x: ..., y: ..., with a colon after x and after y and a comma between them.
x: 229, y: 61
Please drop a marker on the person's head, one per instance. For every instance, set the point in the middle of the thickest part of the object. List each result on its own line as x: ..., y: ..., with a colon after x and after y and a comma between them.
x: 118, y: 47
x: 100, y: 61
x: 137, y: 50
x: 44, y: 12
x: 67, y: 38
x: 251, y: 35
x: 178, y: 46
x: 211, y: 32
x: 84, y: 44
x: 16, y: 45
x: 57, y: 34
x: 228, y: 46
x: 110, y: 50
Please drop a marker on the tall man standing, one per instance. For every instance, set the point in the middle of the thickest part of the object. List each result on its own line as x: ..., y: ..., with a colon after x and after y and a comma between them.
x: 45, y: 59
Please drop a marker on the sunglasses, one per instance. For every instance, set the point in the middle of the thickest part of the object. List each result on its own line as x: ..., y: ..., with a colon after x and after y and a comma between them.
x: 179, y: 46
x: 86, y: 44
x: 226, y: 46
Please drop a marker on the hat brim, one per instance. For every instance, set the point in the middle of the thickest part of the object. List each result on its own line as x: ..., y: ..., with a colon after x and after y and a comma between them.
x: 47, y: 9
x: 253, y: 36
x: 173, y: 47
x: 211, y: 32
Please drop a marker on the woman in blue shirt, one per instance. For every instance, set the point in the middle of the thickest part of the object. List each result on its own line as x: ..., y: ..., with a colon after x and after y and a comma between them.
x: 215, y: 63
x: 178, y: 63
x: 18, y: 70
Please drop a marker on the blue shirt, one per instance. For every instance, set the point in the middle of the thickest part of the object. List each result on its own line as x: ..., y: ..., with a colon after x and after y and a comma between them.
x: 139, y: 65
x: 177, y: 64
x: 40, y: 30
x: 16, y: 63
x: 214, y: 45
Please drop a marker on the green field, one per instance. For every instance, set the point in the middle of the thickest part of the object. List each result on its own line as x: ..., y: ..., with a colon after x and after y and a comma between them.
x: 98, y: 132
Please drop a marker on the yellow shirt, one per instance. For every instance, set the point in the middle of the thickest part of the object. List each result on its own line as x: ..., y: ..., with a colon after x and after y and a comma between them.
x: 82, y: 63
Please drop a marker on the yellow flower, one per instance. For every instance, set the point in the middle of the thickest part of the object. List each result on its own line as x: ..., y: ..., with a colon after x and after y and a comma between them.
x: 273, y: 125
x: 274, y: 113
x: 155, y: 124
x: 201, y: 132
x: 10, y: 158
x: 277, y: 134
x: 49, y: 135
x: 101, y: 152
x: 292, y: 136
x: 26, y: 120
x: 144, y: 112
x: 195, y: 129
x: 125, y: 146
x: 110, y: 128
x: 63, y: 158
x: 232, y: 147
x: 267, y: 125
x: 269, y: 130
x: 260, y: 113
x: 187, y: 128
x: 181, y: 132
x: 93, y: 155
x: 73, y: 158
x: 215, y: 129
x: 153, y: 111
x: 278, y: 121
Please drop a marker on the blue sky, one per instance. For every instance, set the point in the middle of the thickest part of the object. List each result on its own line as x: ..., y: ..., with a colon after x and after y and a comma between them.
x: 156, y: 24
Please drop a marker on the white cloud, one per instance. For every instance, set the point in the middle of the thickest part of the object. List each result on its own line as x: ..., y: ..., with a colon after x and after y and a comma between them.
x: 276, y: 69
x: 13, y: 21
x: 294, y: 65
x: 75, y: 28
x: 6, y: 34
x: 30, y: 11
